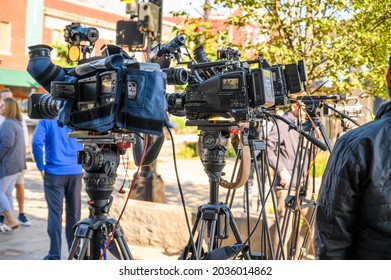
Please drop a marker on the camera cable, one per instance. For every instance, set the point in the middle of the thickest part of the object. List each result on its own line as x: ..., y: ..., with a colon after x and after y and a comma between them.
x: 180, y: 190
x: 111, y: 235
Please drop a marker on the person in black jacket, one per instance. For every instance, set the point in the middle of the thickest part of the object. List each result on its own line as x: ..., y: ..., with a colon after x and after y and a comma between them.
x: 353, y: 218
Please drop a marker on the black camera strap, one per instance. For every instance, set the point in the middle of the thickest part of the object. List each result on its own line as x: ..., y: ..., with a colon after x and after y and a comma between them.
x: 49, y: 74
x: 92, y: 114
x: 131, y: 120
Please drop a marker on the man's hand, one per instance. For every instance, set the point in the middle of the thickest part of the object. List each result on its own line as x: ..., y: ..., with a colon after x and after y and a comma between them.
x: 285, y: 176
x: 43, y: 173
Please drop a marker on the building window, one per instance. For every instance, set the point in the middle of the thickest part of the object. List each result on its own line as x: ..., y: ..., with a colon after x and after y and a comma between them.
x: 57, y: 37
x: 57, y: 42
x: 5, y: 37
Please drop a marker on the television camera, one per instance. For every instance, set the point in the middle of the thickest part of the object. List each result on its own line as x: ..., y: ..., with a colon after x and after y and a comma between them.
x: 111, y: 93
x: 107, y: 101
x: 231, y: 88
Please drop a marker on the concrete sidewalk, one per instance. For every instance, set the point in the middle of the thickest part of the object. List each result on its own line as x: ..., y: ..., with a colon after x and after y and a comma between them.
x: 32, y: 243
x: 153, y: 231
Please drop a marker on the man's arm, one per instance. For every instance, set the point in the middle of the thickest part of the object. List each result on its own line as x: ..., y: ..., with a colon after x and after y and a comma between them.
x: 335, y: 215
x: 25, y: 132
x: 38, y: 143
x: 274, y: 140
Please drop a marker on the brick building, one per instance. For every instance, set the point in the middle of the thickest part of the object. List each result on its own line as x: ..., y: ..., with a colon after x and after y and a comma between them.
x: 25, y: 23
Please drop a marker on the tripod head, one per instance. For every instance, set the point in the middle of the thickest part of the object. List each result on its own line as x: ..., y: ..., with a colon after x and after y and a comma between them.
x: 100, y: 159
x: 213, y: 154
x: 211, y: 149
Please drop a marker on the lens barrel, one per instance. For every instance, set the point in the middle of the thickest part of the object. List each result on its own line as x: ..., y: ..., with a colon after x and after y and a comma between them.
x: 176, y: 76
x: 42, y: 106
x: 200, y: 55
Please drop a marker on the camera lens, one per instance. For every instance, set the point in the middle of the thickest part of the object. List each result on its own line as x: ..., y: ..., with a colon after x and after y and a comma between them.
x: 200, y: 55
x: 92, y: 34
x: 48, y: 106
x: 176, y: 76
x: 42, y: 106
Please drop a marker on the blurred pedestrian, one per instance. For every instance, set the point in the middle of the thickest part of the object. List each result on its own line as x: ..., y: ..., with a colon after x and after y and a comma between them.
x: 282, y: 146
x: 62, y: 177
x: 12, y: 159
x: 19, y: 186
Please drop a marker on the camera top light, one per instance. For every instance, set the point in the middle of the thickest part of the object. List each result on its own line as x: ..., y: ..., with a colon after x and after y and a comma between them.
x: 75, y: 33
x: 91, y: 34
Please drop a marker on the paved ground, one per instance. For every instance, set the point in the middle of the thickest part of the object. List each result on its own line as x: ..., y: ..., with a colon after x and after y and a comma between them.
x: 31, y: 243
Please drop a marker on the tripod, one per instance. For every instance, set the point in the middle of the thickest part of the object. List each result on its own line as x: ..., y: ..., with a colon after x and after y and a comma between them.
x: 305, y: 155
x: 100, y: 159
x: 259, y: 161
x: 213, y: 218
x: 314, y: 113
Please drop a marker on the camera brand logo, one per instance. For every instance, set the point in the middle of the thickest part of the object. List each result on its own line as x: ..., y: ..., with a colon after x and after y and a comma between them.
x: 132, y: 90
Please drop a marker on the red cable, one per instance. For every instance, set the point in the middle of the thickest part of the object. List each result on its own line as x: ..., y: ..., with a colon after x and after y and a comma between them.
x: 126, y: 202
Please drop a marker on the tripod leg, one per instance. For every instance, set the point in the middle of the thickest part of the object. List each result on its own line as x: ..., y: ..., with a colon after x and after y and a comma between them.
x: 82, y: 237
x: 200, y: 240
x: 212, y: 233
x: 75, y: 247
x: 307, y: 233
x: 124, y: 249
x: 121, y: 242
x: 295, y: 234
x: 236, y: 233
x: 190, y: 247
x: 263, y: 173
x: 281, y: 250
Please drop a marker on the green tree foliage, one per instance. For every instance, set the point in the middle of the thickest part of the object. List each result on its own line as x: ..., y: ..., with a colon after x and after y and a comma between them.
x: 200, y: 32
x: 345, y: 44
x: 62, y: 56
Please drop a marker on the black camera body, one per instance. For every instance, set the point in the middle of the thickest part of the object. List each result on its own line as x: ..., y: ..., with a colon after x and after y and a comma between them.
x: 89, y: 92
x: 231, y: 94
x: 106, y: 94
x: 234, y: 90
x: 287, y: 80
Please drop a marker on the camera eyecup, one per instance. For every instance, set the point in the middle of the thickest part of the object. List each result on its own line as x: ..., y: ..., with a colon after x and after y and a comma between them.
x: 41, y: 68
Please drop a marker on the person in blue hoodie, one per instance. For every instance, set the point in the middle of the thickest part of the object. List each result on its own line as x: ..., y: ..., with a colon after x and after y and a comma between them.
x: 56, y: 158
